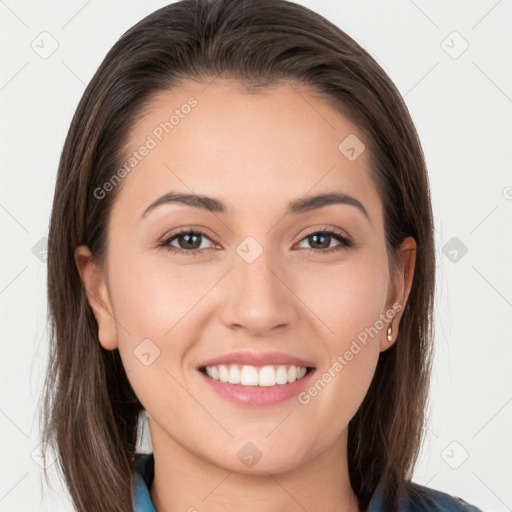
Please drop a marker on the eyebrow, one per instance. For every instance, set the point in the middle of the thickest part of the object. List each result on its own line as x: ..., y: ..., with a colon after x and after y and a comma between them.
x: 298, y: 206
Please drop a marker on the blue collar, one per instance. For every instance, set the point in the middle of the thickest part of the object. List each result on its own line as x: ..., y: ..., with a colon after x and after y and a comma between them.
x: 420, y: 499
x: 144, y: 474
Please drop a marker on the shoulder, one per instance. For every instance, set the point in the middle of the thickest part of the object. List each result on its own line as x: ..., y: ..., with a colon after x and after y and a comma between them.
x: 143, y: 478
x: 418, y: 498
x: 421, y: 498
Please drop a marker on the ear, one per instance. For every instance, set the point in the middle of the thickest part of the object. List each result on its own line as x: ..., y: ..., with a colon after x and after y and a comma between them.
x: 401, y: 286
x: 95, y: 285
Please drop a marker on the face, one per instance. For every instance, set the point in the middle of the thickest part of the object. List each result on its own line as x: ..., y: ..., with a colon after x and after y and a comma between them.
x: 247, y: 275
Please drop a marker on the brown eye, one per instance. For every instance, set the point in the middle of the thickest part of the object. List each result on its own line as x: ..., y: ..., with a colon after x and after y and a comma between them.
x: 321, y: 240
x: 189, y: 242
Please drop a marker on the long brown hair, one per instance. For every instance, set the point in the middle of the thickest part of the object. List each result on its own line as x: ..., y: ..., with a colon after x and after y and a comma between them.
x: 90, y: 412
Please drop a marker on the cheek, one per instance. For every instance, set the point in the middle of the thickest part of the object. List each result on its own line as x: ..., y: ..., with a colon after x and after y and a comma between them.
x: 152, y: 307
x: 347, y: 298
x: 348, y: 304
x: 158, y: 311
x: 150, y: 296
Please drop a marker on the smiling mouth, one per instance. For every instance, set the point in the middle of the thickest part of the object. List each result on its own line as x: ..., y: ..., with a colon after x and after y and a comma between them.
x: 256, y: 376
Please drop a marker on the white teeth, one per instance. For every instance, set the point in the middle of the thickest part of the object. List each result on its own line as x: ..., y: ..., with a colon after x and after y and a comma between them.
x: 292, y: 374
x: 281, y: 375
x: 249, y: 376
x: 256, y: 376
x: 214, y: 372
x: 223, y: 373
x: 234, y: 374
x: 267, y: 376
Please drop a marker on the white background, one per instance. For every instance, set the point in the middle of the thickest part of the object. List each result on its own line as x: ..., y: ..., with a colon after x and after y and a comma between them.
x: 462, y: 108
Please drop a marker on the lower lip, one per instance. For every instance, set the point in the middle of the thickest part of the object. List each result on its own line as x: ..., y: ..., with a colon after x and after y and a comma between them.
x: 258, y: 395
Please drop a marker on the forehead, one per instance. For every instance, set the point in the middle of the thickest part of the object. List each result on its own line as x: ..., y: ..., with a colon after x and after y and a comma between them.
x: 256, y: 150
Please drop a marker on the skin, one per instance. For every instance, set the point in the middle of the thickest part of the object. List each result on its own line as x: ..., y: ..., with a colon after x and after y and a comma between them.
x: 254, y: 152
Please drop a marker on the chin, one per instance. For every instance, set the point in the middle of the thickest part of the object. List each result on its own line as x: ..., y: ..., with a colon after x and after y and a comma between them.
x: 259, y: 457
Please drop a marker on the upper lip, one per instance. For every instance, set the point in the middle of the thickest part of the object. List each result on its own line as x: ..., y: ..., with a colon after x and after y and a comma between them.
x: 257, y: 359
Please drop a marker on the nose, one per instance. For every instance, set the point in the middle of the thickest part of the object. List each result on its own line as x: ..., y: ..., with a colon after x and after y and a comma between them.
x: 260, y: 298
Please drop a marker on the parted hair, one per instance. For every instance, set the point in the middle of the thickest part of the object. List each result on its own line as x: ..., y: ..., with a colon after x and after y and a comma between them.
x: 90, y: 414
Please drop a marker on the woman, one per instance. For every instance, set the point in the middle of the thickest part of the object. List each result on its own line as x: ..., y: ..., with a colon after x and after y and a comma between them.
x: 241, y: 246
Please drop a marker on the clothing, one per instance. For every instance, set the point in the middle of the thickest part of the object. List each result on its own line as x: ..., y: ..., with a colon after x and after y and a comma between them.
x: 425, y: 499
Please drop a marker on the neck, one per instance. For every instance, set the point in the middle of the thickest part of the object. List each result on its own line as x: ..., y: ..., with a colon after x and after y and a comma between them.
x: 185, y: 482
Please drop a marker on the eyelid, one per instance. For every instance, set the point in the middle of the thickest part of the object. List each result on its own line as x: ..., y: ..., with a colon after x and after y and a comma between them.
x: 319, y: 228
x: 346, y: 241
x: 165, y: 241
x: 187, y: 229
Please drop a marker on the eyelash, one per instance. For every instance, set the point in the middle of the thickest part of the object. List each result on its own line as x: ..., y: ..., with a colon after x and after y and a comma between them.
x: 345, y: 242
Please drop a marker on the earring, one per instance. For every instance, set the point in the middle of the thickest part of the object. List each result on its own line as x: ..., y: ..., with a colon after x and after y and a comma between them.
x: 390, y: 330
